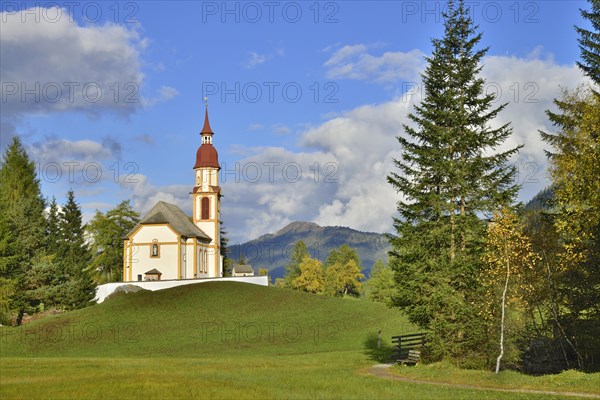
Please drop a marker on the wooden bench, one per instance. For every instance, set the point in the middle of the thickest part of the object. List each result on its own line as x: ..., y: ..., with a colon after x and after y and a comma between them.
x: 408, y: 348
x: 414, y: 356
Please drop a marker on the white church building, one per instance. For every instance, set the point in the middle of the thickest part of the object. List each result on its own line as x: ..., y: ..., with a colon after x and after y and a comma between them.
x: 167, y: 244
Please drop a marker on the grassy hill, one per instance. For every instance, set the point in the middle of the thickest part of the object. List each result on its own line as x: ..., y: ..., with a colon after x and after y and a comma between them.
x: 272, y: 250
x: 194, y: 320
x: 214, y: 340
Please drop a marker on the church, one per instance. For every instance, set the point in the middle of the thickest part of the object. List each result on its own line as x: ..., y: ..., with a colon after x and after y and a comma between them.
x: 167, y: 244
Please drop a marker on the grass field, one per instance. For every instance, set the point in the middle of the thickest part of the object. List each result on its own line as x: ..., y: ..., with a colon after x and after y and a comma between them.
x: 229, y: 340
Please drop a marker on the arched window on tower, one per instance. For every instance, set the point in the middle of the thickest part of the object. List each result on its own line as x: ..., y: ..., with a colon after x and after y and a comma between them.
x: 205, y: 208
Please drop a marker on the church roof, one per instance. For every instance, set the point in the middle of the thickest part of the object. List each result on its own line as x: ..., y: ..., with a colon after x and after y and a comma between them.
x: 207, y: 155
x: 243, y: 269
x: 167, y: 213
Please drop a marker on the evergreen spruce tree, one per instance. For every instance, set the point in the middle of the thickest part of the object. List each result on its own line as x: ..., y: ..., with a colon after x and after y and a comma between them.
x: 8, y: 268
x: 23, y: 228
x: 589, y: 43
x: 223, y: 246
x: 74, y: 255
x: 448, y: 181
x: 52, y: 227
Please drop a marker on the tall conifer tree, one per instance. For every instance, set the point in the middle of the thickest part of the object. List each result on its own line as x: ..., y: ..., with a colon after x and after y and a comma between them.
x: 22, y: 203
x: 589, y: 43
x: 449, y: 178
x: 74, y: 255
x: 52, y: 227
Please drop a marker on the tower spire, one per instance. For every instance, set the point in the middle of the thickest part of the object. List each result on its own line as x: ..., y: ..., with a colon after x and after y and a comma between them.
x: 206, y: 129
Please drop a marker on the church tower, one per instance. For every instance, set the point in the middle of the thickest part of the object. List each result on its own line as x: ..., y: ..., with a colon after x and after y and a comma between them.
x: 206, y: 196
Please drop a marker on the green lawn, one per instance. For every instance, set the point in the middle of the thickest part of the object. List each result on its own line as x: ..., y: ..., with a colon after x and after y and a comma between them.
x: 217, y: 340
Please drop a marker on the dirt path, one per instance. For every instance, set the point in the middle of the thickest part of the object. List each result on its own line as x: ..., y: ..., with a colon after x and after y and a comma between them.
x: 382, y: 371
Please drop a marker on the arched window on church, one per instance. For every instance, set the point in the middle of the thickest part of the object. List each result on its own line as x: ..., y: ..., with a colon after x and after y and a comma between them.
x: 205, y: 208
x: 154, y: 250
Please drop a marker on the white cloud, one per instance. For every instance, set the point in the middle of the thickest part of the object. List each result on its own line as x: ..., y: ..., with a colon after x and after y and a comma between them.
x: 363, y: 144
x: 354, y: 62
x: 529, y: 86
x: 278, y: 185
x: 255, y: 127
x: 145, y: 195
x: 254, y: 59
x: 59, y: 150
x: 67, y: 66
x: 280, y: 129
x: 80, y: 163
x: 165, y: 93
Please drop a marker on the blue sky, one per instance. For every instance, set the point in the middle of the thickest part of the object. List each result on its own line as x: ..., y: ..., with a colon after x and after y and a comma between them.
x: 305, y: 98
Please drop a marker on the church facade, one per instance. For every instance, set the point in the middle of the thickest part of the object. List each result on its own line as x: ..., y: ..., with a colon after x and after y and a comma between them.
x: 168, y: 244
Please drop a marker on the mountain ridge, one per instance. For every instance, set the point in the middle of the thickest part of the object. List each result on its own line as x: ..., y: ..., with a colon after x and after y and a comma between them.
x: 272, y: 250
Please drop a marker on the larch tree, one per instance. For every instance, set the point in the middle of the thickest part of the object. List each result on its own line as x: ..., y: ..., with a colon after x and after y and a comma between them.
x: 292, y: 268
x: 381, y: 286
x: 509, y: 257
x: 343, y: 272
x: 343, y: 279
x: 449, y: 176
x: 574, y: 170
x: 310, y: 278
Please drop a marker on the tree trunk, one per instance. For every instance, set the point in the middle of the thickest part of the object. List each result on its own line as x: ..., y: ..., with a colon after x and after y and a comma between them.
x: 20, y: 316
x: 463, y: 242
x: 503, y: 308
x: 452, y: 244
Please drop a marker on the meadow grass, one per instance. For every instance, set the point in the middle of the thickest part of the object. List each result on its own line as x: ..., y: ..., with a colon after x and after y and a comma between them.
x: 321, y: 376
x: 221, y: 340
x: 567, y: 381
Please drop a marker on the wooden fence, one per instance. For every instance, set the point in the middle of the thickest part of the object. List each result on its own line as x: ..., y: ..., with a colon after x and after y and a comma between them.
x: 407, y: 348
